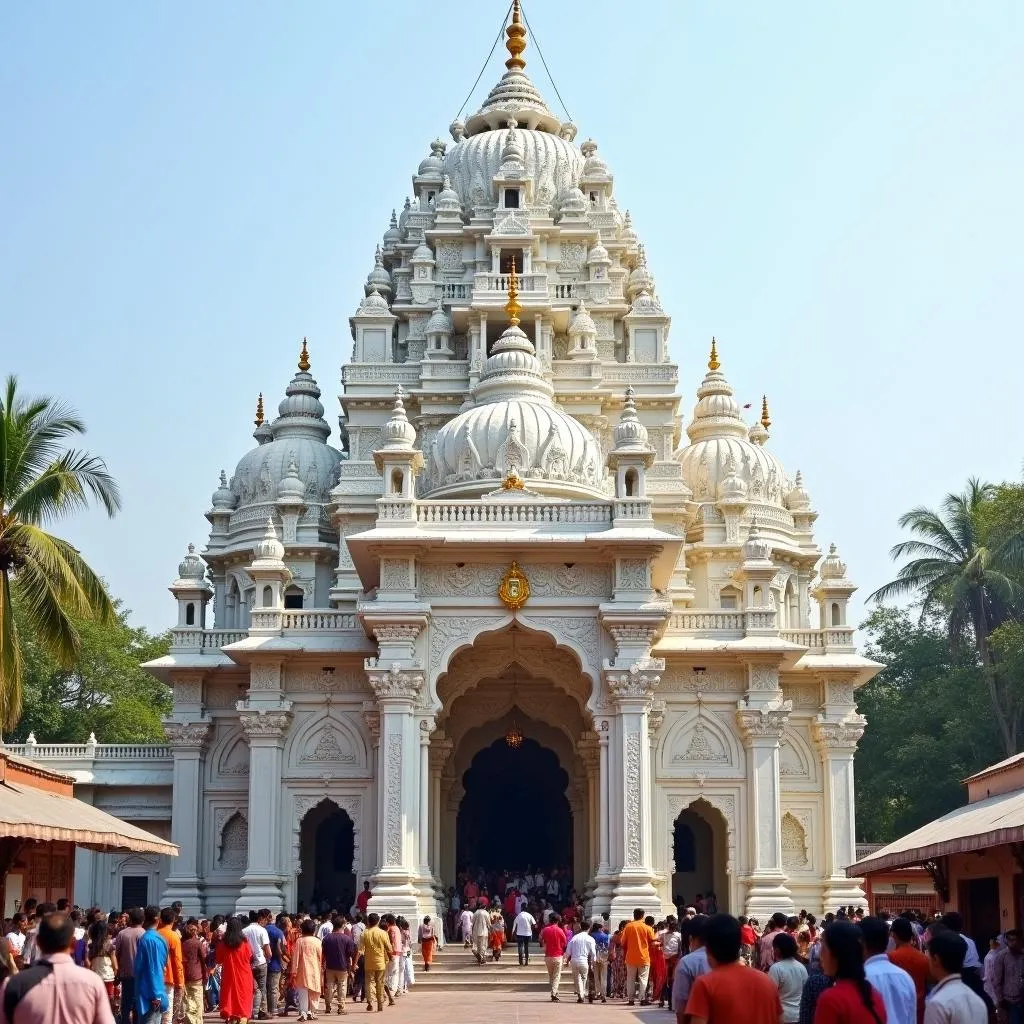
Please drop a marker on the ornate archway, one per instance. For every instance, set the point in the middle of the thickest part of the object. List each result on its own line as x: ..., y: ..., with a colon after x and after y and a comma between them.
x: 702, y: 848
x: 310, y: 811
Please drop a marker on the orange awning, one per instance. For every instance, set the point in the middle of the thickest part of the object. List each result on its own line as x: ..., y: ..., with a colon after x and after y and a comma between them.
x: 30, y: 813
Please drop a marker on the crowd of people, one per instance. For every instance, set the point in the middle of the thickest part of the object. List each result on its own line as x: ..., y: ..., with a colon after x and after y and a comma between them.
x: 153, y: 965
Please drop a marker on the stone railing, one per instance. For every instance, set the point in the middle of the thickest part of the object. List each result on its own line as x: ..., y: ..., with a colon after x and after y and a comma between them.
x: 206, y: 639
x: 306, y: 620
x: 454, y: 290
x: 632, y: 508
x: 565, y: 290
x: 527, y: 513
x: 833, y: 636
x: 499, y: 282
x: 90, y: 751
x: 723, y: 623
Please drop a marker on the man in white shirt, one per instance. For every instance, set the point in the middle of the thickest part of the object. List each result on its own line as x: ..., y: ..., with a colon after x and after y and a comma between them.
x: 466, y: 925
x: 259, y: 943
x: 325, y: 928
x: 895, y: 986
x: 971, y: 961
x: 480, y: 927
x: 951, y: 1001
x: 16, y: 936
x: 580, y: 954
x: 523, y: 928
x: 552, y: 887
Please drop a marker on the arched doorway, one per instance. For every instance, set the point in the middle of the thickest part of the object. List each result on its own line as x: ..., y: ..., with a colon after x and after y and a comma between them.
x: 699, y: 855
x: 326, y: 858
x: 514, y: 814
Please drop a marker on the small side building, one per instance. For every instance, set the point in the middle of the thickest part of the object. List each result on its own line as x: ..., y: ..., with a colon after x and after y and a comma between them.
x: 974, y: 855
x: 41, y: 826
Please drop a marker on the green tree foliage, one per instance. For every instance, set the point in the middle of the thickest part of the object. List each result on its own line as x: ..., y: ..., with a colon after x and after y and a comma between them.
x: 964, y: 565
x: 42, y: 481
x: 930, y: 725
x: 105, y: 692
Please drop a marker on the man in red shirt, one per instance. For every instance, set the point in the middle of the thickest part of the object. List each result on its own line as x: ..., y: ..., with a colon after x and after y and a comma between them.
x: 363, y: 899
x: 913, y: 961
x: 553, y: 939
x: 731, y: 992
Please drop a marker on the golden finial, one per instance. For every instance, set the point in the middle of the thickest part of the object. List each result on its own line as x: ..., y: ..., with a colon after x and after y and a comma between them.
x: 512, y: 307
x: 304, y: 357
x: 713, y: 363
x: 259, y: 410
x: 765, y: 418
x: 516, y: 42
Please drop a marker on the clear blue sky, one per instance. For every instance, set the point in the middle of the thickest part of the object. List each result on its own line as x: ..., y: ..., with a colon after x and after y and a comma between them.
x: 831, y: 188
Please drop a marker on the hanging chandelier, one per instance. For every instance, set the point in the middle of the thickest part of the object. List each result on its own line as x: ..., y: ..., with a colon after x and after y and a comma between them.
x: 514, y: 737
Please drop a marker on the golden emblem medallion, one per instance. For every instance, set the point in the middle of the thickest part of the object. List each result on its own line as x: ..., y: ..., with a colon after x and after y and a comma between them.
x: 514, y: 589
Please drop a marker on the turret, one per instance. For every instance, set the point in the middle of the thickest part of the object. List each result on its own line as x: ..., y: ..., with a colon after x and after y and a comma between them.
x: 833, y: 590
x: 268, y: 570
x: 632, y: 456
x: 192, y: 591
x: 398, y: 462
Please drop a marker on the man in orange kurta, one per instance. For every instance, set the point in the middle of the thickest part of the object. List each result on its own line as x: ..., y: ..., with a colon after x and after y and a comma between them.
x: 637, y: 939
x: 174, y: 972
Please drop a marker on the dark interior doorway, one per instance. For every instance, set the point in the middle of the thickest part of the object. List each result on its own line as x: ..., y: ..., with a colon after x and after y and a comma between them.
x: 515, y: 814
x: 327, y: 852
x: 978, y: 903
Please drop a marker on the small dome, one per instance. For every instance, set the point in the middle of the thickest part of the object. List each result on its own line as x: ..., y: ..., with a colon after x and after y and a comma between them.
x: 757, y: 434
x: 433, y: 166
x: 629, y: 433
x: 640, y: 279
x: 447, y: 200
x: 439, y: 322
x: 379, y: 277
x: 374, y: 303
x: 582, y: 322
x: 422, y: 254
x: 574, y: 203
x: 512, y: 152
x: 393, y: 235
x: 593, y: 165
x: 598, y: 254
x: 733, y: 488
x: 192, y: 567
x: 223, y: 499
x: 269, y: 548
x: 798, y: 500
x: 756, y: 549
x: 291, y: 489
x: 626, y: 233
x: 833, y: 567
x: 398, y: 432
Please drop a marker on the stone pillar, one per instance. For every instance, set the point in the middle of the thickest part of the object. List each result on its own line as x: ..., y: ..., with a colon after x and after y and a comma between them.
x: 371, y: 716
x: 837, y: 743
x: 632, y: 691
x: 590, y: 758
x: 424, y: 820
x: 265, y: 726
x: 398, y: 789
x: 761, y: 717
x: 603, y: 881
x: 440, y: 751
x: 185, y: 882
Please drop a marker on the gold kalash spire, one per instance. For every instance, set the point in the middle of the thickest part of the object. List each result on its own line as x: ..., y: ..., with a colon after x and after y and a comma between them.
x: 512, y: 307
x: 713, y: 363
x: 259, y: 410
x: 516, y: 42
x: 304, y: 357
x: 765, y: 418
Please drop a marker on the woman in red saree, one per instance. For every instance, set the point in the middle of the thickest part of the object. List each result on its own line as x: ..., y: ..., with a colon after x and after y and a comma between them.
x: 428, y: 940
x: 236, y: 981
x: 659, y: 970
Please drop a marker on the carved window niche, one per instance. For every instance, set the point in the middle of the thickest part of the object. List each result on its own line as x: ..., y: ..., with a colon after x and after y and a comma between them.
x: 233, y: 848
x: 794, y: 829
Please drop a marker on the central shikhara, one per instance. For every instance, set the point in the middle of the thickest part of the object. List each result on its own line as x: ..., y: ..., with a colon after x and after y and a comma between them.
x: 672, y: 633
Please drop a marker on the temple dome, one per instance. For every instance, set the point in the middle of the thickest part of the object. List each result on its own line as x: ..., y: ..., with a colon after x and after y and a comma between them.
x: 554, y: 164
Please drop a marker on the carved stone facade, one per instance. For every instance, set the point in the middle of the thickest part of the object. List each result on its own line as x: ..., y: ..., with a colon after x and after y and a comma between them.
x: 681, y: 645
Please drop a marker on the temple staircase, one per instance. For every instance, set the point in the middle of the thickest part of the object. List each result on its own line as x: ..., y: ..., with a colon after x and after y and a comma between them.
x: 455, y: 968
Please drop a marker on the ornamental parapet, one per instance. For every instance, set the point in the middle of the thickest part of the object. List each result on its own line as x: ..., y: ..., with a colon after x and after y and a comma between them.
x: 526, y: 513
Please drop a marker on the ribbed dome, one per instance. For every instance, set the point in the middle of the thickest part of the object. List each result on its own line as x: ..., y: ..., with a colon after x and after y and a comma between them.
x: 554, y: 164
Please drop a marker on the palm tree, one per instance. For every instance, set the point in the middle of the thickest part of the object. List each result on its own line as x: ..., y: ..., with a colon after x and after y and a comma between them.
x: 42, y: 480
x: 958, y: 575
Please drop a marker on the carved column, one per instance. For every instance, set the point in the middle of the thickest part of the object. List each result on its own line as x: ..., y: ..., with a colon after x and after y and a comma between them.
x: 590, y: 757
x: 440, y: 750
x: 185, y: 883
x: 371, y: 716
x: 632, y: 691
x: 761, y: 723
x: 603, y: 880
x: 424, y: 821
x: 398, y: 788
x: 837, y: 743
x: 265, y: 727
x: 453, y: 801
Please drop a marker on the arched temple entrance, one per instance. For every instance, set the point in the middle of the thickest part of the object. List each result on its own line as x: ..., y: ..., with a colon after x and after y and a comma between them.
x: 326, y: 858
x: 514, y: 814
x: 508, y: 807
x: 699, y: 841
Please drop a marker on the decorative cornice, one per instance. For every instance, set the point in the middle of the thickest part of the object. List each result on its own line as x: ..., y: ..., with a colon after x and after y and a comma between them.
x: 395, y: 683
x: 768, y: 720
x: 843, y: 735
x: 187, y: 735
x: 258, y: 723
